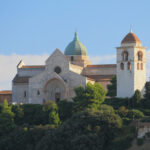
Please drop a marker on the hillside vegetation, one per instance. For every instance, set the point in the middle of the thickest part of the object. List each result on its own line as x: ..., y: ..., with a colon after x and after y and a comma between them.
x: 89, y: 122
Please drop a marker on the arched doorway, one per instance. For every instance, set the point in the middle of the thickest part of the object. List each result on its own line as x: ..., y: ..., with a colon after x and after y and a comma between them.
x: 54, y: 90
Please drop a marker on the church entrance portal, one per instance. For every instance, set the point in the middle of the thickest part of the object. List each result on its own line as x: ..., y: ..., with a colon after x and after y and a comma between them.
x: 57, y: 97
x: 54, y: 90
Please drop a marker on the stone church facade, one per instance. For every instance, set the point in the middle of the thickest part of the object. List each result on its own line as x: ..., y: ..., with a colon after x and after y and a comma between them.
x: 62, y: 73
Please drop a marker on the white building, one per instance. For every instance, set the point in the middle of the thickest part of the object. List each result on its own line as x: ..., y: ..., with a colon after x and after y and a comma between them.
x: 61, y: 73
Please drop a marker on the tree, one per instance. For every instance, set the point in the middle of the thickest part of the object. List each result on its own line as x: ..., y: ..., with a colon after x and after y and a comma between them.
x: 19, y: 114
x: 135, y: 114
x: 52, y: 110
x: 86, y: 130
x: 112, y: 88
x: 89, y: 97
x: 65, y: 109
x: 6, y: 108
x: 136, y: 99
x: 147, y: 91
x: 6, y: 119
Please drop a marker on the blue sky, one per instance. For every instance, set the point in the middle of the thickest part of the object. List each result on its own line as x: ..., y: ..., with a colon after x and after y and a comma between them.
x: 32, y: 29
x: 40, y: 26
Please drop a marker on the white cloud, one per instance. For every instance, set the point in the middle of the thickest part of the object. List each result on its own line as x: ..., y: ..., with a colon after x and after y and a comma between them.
x: 8, y: 65
x: 103, y: 59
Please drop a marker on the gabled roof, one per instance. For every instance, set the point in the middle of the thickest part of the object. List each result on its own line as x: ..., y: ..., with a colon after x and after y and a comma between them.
x: 34, y: 67
x: 18, y: 79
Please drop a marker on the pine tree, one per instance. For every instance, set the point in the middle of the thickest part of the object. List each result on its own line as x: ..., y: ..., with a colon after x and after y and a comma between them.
x: 112, y: 88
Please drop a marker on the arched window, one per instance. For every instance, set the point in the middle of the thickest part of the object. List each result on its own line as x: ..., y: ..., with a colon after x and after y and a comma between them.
x: 122, y: 66
x: 138, y: 66
x: 125, y: 56
x: 140, y: 56
x: 141, y: 66
x: 129, y: 66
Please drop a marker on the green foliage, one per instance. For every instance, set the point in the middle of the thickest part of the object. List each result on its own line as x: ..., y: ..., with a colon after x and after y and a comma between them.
x: 6, y: 108
x: 34, y: 114
x: 24, y: 138
x: 112, y: 88
x: 123, y: 111
x: 147, y: 91
x: 65, y: 109
x: 136, y: 99
x: 106, y: 108
x: 135, y: 114
x: 51, y: 108
x: 140, y: 141
x: 123, y: 140
x: 118, y: 102
x: 6, y: 123
x: 145, y: 104
x: 89, y: 97
x: 90, y: 129
x: 19, y: 114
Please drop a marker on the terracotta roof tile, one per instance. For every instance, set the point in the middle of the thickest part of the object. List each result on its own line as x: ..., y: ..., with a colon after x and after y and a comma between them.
x: 131, y: 38
x: 34, y: 67
x: 18, y: 79
x: 6, y: 92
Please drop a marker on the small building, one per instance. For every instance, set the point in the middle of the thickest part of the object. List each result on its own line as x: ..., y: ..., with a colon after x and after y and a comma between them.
x: 5, y: 95
x: 143, y: 128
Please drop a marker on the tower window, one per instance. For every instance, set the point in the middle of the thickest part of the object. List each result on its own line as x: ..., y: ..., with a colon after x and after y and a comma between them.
x: 140, y: 56
x: 25, y: 94
x: 72, y: 58
x: 138, y: 66
x: 122, y: 66
x: 38, y: 92
x: 125, y: 56
x: 129, y: 66
x: 141, y: 66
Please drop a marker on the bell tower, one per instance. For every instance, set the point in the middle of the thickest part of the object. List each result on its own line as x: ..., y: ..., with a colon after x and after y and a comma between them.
x: 131, y: 66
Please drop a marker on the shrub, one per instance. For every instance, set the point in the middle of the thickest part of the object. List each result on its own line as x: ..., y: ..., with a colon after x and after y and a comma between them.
x: 65, y: 109
x: 135, y: 114
x: 140, y: 141
x: 123, y: 111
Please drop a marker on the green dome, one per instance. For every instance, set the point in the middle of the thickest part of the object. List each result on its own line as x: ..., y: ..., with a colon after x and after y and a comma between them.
x: 76, y: 47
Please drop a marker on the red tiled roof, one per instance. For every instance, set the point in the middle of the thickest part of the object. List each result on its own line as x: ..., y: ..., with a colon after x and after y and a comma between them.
x: 39, y: 66
x: 18, y: 79
x: 102, y: 66
x: 130, y: 38
x: 6, y: 92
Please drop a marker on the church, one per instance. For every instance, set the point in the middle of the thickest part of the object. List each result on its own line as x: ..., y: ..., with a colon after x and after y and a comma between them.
x: 63, y: 72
